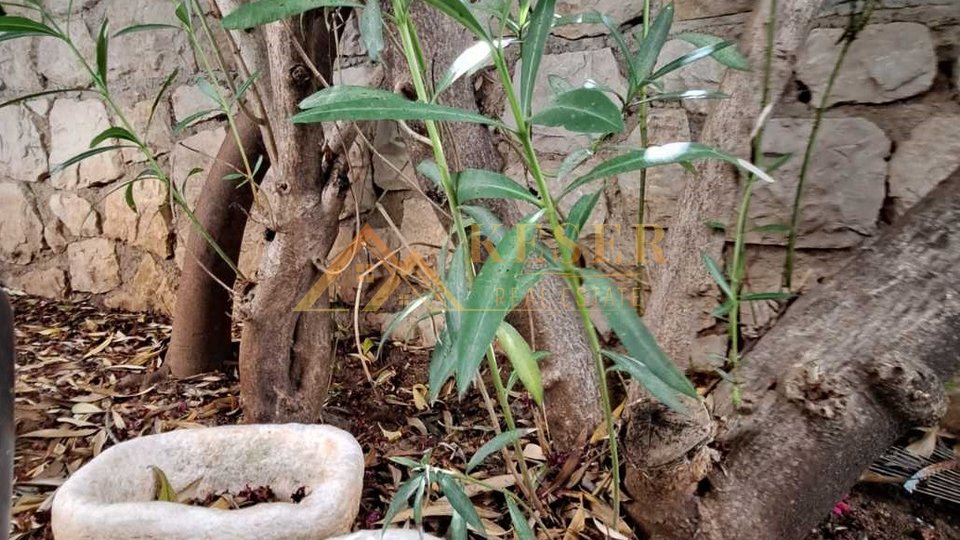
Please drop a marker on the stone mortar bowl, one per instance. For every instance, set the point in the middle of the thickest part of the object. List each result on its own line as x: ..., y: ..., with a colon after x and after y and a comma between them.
x: 112, y: 497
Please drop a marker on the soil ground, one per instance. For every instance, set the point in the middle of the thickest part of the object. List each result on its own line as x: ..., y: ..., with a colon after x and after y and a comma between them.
x: 78, y: 392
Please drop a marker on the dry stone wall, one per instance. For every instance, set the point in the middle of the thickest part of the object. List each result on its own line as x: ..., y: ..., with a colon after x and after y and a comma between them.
x: 890, y: 135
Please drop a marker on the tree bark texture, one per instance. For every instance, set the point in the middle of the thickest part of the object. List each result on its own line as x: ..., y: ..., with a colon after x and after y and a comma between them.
x: 571, y: 390
x: 286, y: 356
x: 201, y: 339
x: 849, y: 369
x: 667, y: 452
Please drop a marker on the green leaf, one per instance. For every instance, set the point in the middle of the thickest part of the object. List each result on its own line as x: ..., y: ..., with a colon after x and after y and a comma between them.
x: 442, y: 362
x: 361, y: 103
x: 458, y: 528
x: 765, y: 296
x: 723, y: 309
x: 399, y: 318
x: 531, y: 51
x: 35, y: 95
x: 641, y: 345
x: 246, y: 85
x: 103, y: 43
x: 114, y: 133
x: 144, y: 28
x: 461, y: 503
x: 582, y: 110
x: 462, y: 14
x: 678, y: 152
x: 128, y: 197
x: 487, y: 304
x: 156, y: 100
x: 495, y: 445
x: 162, y: 490
x: 596, y: 17
x: 650, y: 47
x: 489, y: 224
x: 266, y: 11
x: 12, y: 27
x: 522, y: 359
x: 728, y: 56
x: 520, y: 526
x: 483, y: 184
x: 401, y: 498
x: 429, y: 169
x: 580, y: 213
x: 776, y: 163
x: 86, y: 154
x: 468, y: 62
x: 690, y: 58
x: 182, y: 12
x: 642, y: 374
x: 371, y: 28
x: 193, y: 119
x: 572, y: 161
x: 685, y: 94
x: 716, y: 273
x: 773, y: 228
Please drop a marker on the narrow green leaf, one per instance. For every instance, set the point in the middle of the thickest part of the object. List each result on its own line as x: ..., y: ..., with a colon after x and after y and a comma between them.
x: 266, y: 11
x: 246, y: 85
x: 128, y: 197
x: 400, y: 317
x: 418, y: 504
x: 86, y: 154
x: 442, y: 361
x: 650, y: 47
x: 728, y: 56
x: 182, y: 12
x: 12, y: 27
x: 144, y: 28
x: 678, y: 152
x: 361, y: 103
x: 765, y: 296
x: 193, y: 119
x: 596, y: 17
x: 371, y: 28
x: 460, y: 12
x: 114, y: 132
x: 723, y: 309
x: 776, y: 163
x: 401, y: 498
x: 468, y: 62
x: 522, y: 359
x: 572, y: 161
x: 489, y: 224
x: 35, y: 95
x: 582, y: 110
x: 623, y: 318
x: 483, y: 184
x: 489, y: 301
x: 773, y: 228
x: 690, y: 58
x: 162, y: 490
x: 716, y: 273
x: 685, y: 95
x: 642, y: 374
x: 531, y: 51
x: 103, y: 44
x: 580, y: 213
x: 163, y: 88
x: 520, y: 526
x: 461, y: 503
x: 458, y: 527
x: 429, y: 169
x: 495, y: 445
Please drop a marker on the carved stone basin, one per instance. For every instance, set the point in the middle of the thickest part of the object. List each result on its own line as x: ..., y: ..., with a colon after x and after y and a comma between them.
x: 112, y: 497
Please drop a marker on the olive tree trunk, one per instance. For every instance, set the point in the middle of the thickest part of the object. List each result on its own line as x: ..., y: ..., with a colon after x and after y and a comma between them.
x: 851, y: 368
x: 286, y: 356
x: 201, y: 339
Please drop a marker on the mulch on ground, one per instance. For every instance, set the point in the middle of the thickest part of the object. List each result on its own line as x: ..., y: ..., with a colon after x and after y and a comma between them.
x: 78, y: 392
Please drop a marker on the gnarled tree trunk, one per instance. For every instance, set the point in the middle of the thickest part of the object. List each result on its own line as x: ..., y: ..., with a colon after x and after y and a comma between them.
x: 571, y: 390
x: 851, y: 367
x: 286, y: 356
x: 201, y: 339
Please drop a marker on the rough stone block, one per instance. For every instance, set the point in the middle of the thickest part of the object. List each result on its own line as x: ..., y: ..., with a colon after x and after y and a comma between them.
x: 21, y: 231
x: 73, y: 124
x: 22, y: 157
x: 928, y: 157
x: 94, y: 266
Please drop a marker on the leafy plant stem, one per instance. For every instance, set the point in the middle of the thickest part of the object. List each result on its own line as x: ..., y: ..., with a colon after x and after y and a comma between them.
x: 737, y: 267
x: 849, y: 38
x: 644, y: 142
x: 568, y: 267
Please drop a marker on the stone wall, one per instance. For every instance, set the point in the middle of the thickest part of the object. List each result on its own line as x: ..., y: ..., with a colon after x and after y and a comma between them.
x: 891, y: 133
